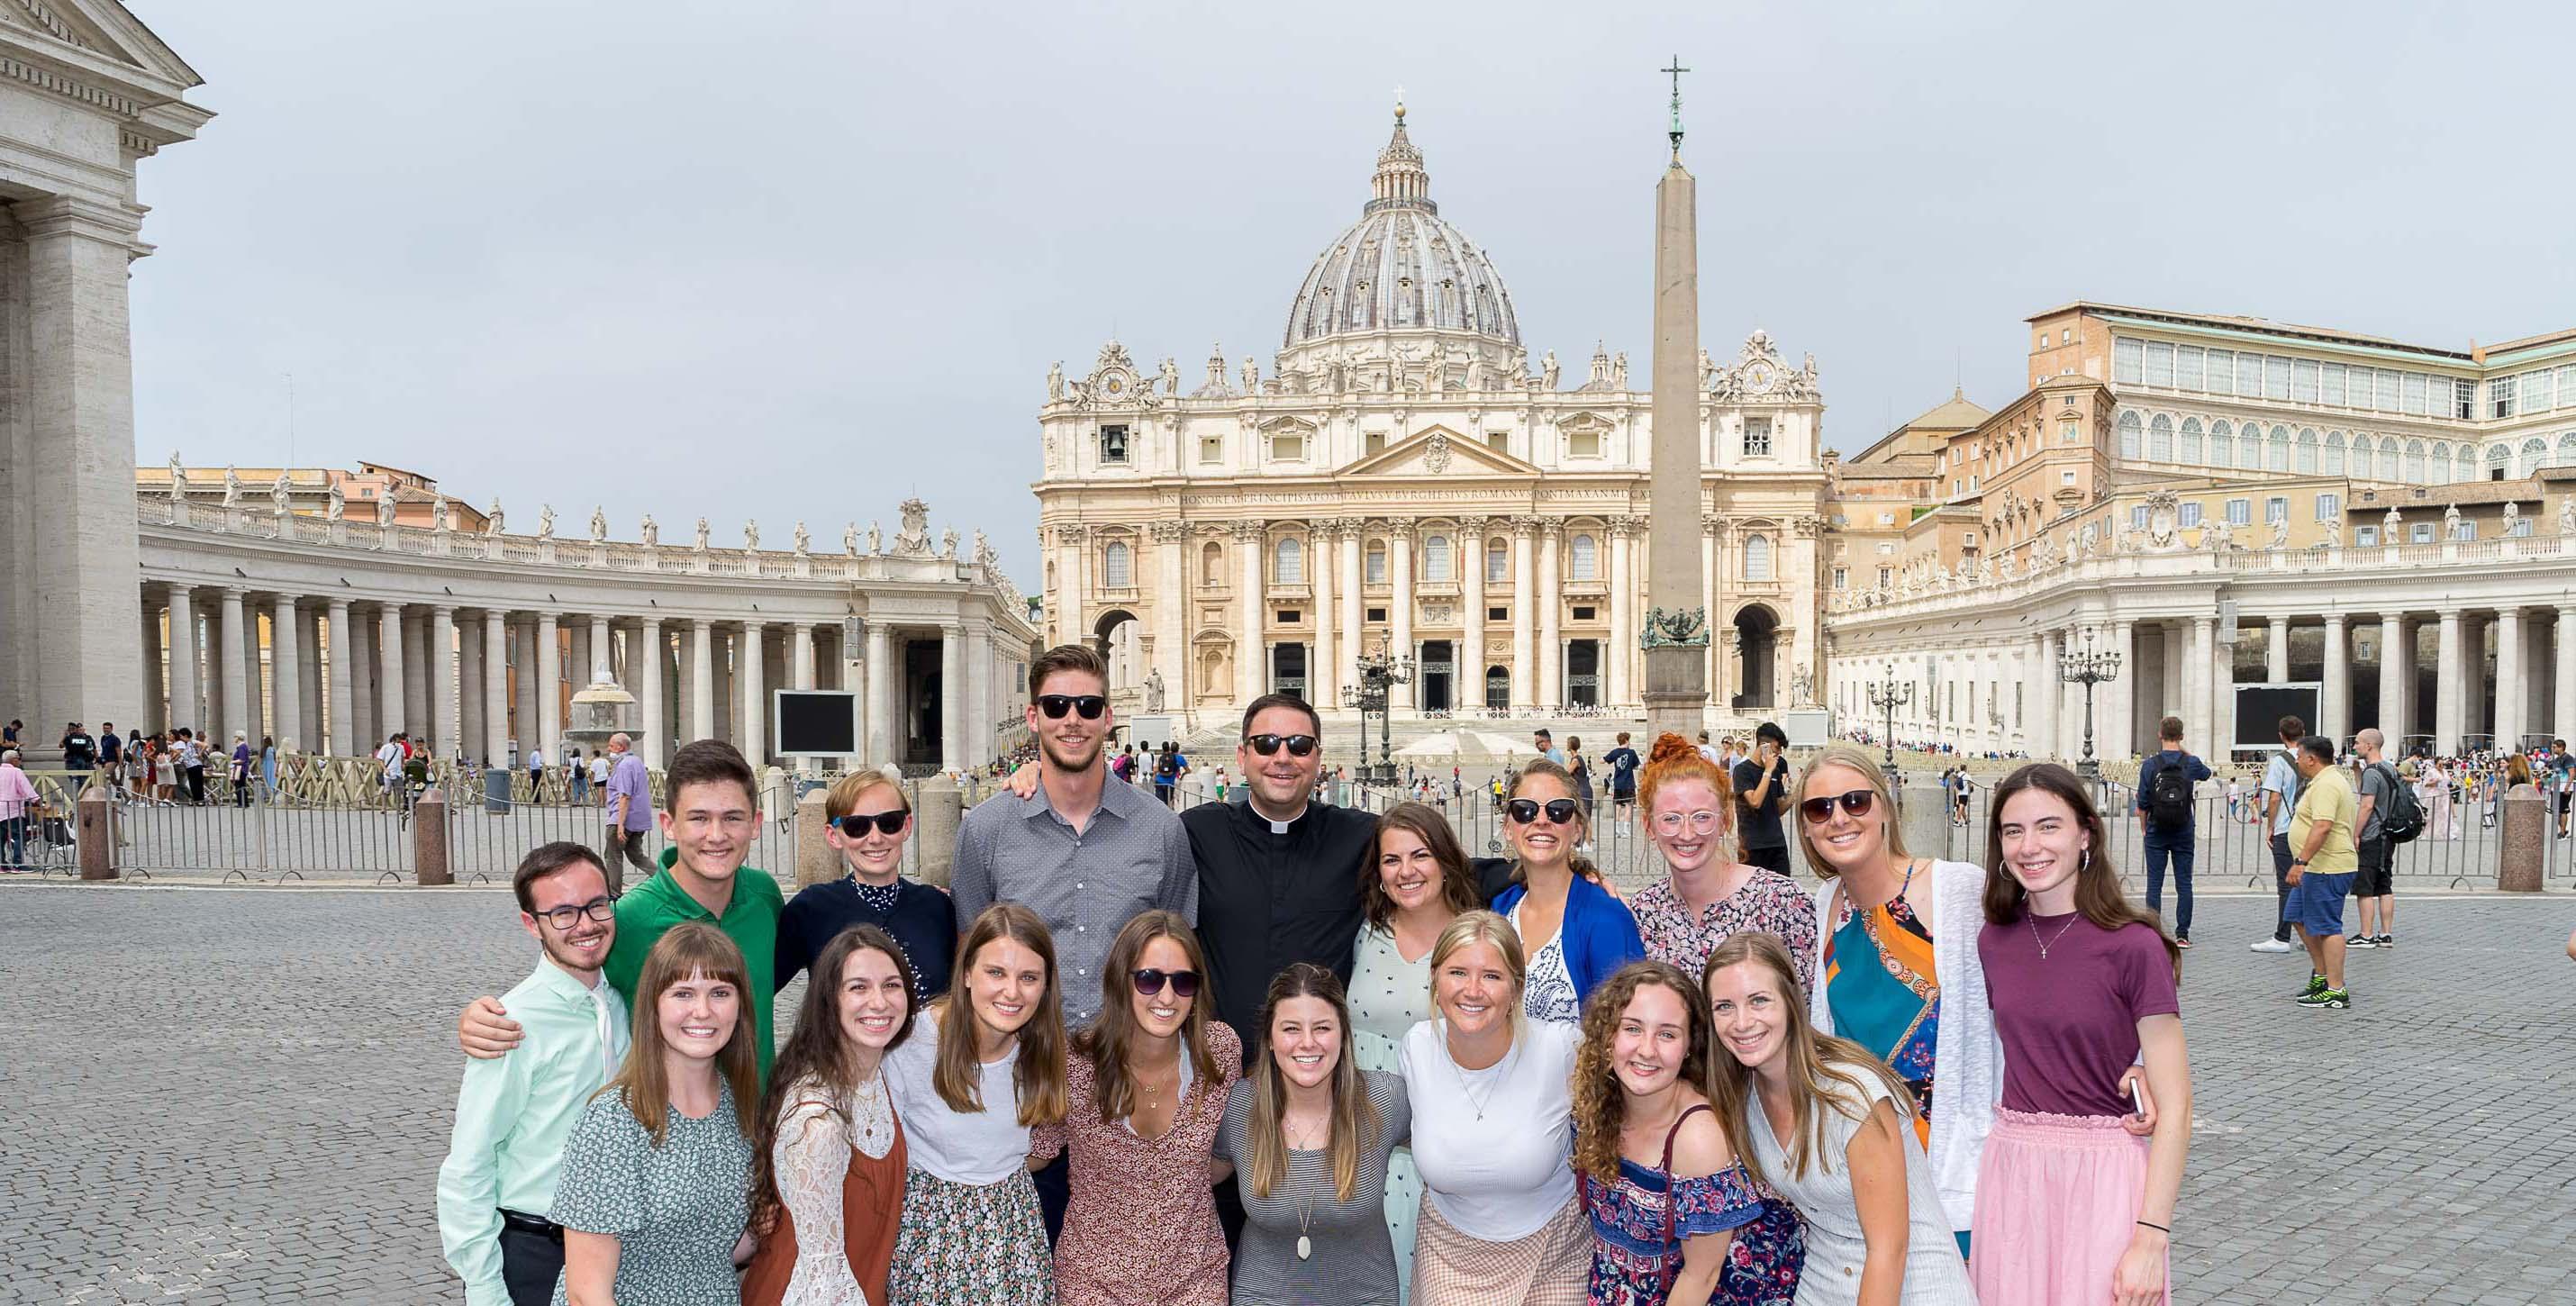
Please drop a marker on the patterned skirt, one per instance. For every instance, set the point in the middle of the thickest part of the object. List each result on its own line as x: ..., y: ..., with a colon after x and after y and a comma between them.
x: 980, y: 1243
x: 1546, y: 1268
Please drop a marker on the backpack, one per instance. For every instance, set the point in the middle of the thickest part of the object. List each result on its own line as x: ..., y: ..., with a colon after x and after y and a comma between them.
x: 1123, y: 767
x: 2404, y: 819
x: 1167, y: 766
x: 2169, y: 796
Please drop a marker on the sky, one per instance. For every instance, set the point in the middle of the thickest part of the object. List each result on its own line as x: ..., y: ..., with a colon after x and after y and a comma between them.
x: 803, y: 261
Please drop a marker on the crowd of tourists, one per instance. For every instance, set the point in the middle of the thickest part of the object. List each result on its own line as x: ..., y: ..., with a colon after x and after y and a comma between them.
x: 1278, y: 1051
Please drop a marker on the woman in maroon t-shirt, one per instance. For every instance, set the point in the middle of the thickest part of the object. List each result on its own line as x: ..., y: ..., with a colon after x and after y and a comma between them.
x: 2070, y: 1206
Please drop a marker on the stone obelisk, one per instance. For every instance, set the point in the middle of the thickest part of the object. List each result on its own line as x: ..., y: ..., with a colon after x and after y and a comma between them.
x: 1676, y: 634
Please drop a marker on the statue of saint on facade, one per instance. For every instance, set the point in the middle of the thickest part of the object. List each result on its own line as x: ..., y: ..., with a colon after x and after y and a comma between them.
x: 385, y: 509
x: 277, y: 495
x: 232, y: 487
x: 750, y: 536
x: 804, y: 540
x: 339, y: 505
x: 545, y: 521
x: 1548, y: 371
x: 492, y: 519
x: 1154, y: 690
x: 702, y: 535
x: 598, y: 525
x: 651, y: 531
x: 1055, y: 381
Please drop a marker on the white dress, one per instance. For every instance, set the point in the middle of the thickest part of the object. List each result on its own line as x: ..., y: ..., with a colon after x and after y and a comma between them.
x: 1934, y: 1274
x: 811, y: 1158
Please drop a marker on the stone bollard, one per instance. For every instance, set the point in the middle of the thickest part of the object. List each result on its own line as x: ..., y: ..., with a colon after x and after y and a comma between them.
x: 934, y: 828
x: 93, y: 823
x: 815, y: 860
x: 2522, y: 851
x: 429, y: 854
x: 1925, y: 819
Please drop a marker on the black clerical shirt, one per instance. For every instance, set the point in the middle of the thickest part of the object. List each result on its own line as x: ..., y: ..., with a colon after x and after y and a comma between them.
x: 1275, y: 893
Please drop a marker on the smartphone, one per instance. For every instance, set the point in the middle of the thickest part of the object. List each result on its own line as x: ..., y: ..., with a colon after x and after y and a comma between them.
x: 2135, y: 1103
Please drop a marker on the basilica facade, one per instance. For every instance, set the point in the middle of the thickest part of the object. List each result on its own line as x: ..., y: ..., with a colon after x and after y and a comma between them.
x: 1404, y: 479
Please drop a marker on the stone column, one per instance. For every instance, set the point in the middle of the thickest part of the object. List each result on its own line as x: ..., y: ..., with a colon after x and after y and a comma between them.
x: 800, y: 653
x: 185, y: 709
x: 1468, y: 692
x: 702, y: 679
x: 979, y: 693
x: 2563, y: 699
x: 2396, y: 662
x: 308, y: 661
x: 1172, y: 611
x: 1623, y: 637
x: 550, y: 703
x: 2475, y: 718
x: 2200, y: 675
x: 1551, y: 680
x: 2334, y: 702
x: 523, y: 727
x: 256, y: 701
x: 416, y: 703
x: 1712, y: 550
x: 2046, y: 689
x: 286, y: 678
x: 880, y: 694
x: 1676, y: 692
x: 578, y: 655
x: 240, y: 712
x: 496, y: 688
x: 445, y: 727
x: 652, y: 649
x: 2276, y: 650
x: 2449, y: 673
x: 952, y: 697
x: 603, y: 659
x: 2117, y: 734
x: 156, y: 707
x: 1069, y: 596
x: 751, y: 676
x: 1252, y: 650
x: 2508, y: 691
x: 1354, y: 631
x: 1323, y: 674
x: 345, y: 740
x: 1399, y: 561
x: 389, y: 670
x: 1524, y: 614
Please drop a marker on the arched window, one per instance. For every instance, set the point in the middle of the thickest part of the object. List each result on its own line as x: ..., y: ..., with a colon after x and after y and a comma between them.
x: 2388, y: 458
x: 1498, y: 561
x: 1757, y: 557
x: 2535, y: 454
x: 2307, y: 451
x: 2415, y: 461
x: 2468, y: 463
x: 1435, y: 558
x: 2499, y: 456
x: 2160, y: 439
x: 2249, y: 446
x: 2193, y: 447
x: 2129, y: 432
x: 2222, y: 445
x: 1583, y: 558
x: 2334, y: 453
x: 2566, y: 450
x: 2441, y: 464
x: 2280, y: 456
x: 1212, y: 564
x: 1288, y: 563
x: 1117, y: 571
x: 1376, y: 563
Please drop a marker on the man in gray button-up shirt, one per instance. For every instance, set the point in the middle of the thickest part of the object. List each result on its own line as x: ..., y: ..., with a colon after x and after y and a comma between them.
x: 1085, y: 854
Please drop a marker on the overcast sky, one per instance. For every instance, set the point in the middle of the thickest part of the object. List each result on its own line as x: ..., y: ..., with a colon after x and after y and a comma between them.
x: 801, y: 260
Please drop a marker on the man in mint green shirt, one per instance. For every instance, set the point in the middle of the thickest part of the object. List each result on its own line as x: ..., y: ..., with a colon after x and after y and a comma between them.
x: 710, y: 816
x: 497, y: 1186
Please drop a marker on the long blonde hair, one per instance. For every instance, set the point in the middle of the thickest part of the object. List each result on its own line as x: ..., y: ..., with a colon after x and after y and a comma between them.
x: 1851, y: 757
x: 644, y: 1083
x: 1822, y: 1068
x: 1354, y: 1120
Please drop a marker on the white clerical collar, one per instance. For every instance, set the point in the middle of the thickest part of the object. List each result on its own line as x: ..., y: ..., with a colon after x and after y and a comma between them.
x: 1279, y: 827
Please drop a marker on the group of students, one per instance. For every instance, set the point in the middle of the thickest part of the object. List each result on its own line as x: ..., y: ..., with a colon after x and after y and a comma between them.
x: 1385, y: 1072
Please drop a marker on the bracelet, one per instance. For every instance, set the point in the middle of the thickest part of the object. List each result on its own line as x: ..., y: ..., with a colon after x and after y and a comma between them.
x: 2157, y: 1227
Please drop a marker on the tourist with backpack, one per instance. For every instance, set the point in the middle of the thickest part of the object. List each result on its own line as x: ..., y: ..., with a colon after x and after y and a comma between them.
x: 2389, y: 816
x: 2280, y: 798
x: 1169, y: 767
x: 2165, y: 811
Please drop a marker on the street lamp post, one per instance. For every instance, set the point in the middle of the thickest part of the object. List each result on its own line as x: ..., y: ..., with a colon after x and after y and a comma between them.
x: 2088, y: 668
x: 1887, y: 696
x: 1377, y: 673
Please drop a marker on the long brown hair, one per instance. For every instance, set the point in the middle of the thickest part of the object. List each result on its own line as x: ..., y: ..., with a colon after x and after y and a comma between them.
x: 691, y: 948
x: 815, y: 1066
x: 1599, y: 1101
x: 1457, y: 882
x: 1109, y: 1036
x: 2097, y: 886
x: 1822, y: 1069
x: 1038, y: 1078
x: 1354, y: 1121
x: 1853, y: 758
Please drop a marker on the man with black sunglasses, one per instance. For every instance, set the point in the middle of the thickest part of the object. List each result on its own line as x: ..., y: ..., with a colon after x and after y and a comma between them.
x: 497, y: 1186
x: 1762, y: 790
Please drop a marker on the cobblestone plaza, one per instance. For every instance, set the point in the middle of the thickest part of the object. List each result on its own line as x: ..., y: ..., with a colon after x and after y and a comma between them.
x: 243, y: 1095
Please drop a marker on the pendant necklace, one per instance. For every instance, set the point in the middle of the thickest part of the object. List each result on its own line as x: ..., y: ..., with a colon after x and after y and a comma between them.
x: 1468, y: 1091
x: 1305, y: 1202
x: 2046, y: 944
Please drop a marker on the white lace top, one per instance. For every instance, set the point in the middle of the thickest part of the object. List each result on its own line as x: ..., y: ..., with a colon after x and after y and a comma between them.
x: 812, y: 1158
x: 1548, y: 992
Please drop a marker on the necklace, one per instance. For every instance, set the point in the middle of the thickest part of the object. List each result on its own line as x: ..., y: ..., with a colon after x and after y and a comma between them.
x: 878, y: 898
x: 1154, y: 1093
x: 1305, y: 1196
x: 874, y: 1123
x: 1468, y: 1091
x: 2047, y: 943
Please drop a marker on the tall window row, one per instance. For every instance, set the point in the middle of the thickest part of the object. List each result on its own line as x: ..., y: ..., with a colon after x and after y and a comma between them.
x: 2254, y: 447
x: 2248, y: 375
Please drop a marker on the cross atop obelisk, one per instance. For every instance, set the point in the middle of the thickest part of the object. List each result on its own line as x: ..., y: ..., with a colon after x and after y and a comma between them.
x: 1675, y: 639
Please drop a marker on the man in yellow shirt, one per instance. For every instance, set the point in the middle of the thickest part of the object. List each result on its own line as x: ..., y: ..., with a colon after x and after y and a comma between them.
x: 2323, y: 858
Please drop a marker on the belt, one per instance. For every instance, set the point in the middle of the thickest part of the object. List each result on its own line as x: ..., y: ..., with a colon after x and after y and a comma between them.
x: 530, y: 1224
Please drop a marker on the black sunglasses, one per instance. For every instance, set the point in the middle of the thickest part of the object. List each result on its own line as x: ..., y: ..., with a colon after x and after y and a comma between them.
x: 564, y: 918
x: 1525, y: 810
x: 1268, y: 745
x: 1056, y: 705
x: 1820, y: 810
x: 855, y: 825
x: 1149, y: 981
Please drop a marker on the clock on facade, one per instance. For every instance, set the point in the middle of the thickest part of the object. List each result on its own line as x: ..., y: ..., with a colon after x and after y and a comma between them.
x: 1760, y: 376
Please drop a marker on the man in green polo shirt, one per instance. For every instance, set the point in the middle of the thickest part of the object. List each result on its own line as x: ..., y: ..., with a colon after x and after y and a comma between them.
x: 710, y: 814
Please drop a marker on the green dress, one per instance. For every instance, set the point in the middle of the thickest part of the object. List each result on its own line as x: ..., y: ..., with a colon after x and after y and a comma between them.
x: 677, y: 1209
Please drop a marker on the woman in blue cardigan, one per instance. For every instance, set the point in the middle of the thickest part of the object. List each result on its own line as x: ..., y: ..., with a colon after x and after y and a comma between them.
x: 1573, y: 932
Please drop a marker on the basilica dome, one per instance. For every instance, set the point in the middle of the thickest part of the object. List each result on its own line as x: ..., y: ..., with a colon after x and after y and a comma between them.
x: 1400, y: 268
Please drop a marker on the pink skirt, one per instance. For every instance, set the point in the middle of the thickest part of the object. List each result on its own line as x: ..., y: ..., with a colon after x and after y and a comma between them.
x: 2057, y: 1202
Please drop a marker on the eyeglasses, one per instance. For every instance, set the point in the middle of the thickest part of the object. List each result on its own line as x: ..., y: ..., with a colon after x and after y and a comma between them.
x: 1525, y: 810
x: 1820, y: 810
x: 855, y: 825
x: 1268, y: 745
x: 1056, y: 705
x: 1699, y: 822
x: 564, y: 918
x: 1149, y: 981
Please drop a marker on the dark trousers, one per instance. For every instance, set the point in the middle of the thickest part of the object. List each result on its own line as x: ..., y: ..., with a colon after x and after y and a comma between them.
x: 2281, y: 882
x: 13, y: 843
x: 1774, y: 858
x: 196, y: 784
x: 619, y: 849
x: 1055, y: 1188
x: 530, y: 1264
x: 2177, y: 847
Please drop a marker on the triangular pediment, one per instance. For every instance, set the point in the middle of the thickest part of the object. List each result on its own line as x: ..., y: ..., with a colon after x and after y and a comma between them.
x: 104, y: 30
x: 1437, y: 451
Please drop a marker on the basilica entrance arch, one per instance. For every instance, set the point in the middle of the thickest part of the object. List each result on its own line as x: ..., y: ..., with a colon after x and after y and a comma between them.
x: 1757, y: 638
x: 1118, y: 637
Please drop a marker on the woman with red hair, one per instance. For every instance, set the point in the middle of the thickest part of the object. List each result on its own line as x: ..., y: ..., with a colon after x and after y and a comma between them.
x: 1706, y: 896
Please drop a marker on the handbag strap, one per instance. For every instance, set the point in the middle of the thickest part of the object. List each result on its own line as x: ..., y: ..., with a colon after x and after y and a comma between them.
x: 1673, y: 1183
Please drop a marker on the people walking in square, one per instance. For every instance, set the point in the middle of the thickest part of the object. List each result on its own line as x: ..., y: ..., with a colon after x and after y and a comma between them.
x: 192, y: 762
x: 267, y: 768
x: 2323, y: 862
x: 2166, y: 810
x: 599, y: 765
x: 536, y: 762
x: 630, y: 813
x: 2374, y: 881
x: 2279, y: 795
x: 2235, y: 797
x: 505, y: 1153
x: 111, y: 755
x: 1624, y: 764
x: 243, y: 770
x: 17, y: 804
x: 1762, y: 794
x: 576, y: 777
